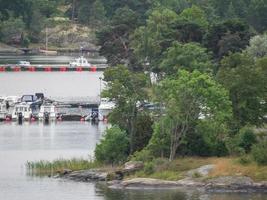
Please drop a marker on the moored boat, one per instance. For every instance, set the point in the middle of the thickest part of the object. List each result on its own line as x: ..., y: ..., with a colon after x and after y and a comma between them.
x: 80, y: 62
x: 105, y: 107
x: 22, y: 109
x: 3, y: 111
x: 47, y: 112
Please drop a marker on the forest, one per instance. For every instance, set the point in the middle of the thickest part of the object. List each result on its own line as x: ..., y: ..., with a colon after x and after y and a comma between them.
x: 208, y: 59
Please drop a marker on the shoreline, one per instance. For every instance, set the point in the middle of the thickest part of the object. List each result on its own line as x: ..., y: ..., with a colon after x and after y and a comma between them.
x: 227, y: 184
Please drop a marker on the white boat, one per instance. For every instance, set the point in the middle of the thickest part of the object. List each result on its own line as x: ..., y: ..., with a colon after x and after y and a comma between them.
x: 80, y: 62
x: 12, y: 100
x: 24, y: 63
x: 23, y: 108
x: 3, y: 111
x: 47, y: 110
x: 105, y: 107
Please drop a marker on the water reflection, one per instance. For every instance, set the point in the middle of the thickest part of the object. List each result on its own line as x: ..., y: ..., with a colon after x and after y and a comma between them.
x: 171, y: 194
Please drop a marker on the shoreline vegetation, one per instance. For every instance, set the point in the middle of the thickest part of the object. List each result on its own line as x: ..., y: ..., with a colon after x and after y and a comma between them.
x: 200, y: 169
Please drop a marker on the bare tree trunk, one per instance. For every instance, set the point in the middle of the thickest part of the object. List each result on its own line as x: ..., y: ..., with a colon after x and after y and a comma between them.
x: 132, y: 128
x: 178, y: 132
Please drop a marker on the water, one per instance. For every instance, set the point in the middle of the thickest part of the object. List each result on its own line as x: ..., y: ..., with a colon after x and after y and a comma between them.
x: 56, y: 85
x: 31, y: 142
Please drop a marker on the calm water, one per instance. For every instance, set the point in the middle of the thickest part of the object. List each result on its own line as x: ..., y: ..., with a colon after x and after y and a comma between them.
x: 70, y: 85
x: 30, y: 142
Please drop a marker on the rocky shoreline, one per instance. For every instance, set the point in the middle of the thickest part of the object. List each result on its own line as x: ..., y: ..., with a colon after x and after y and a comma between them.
x: 231, y: 184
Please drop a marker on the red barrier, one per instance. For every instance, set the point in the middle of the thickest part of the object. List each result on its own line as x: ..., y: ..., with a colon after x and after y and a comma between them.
x: 31, y: 69
x: 2, y: 69
x: 79, y: 69
x: 48, y: 69
x: 16, y: 69
x: 63, y: 69
x: 93, y: 69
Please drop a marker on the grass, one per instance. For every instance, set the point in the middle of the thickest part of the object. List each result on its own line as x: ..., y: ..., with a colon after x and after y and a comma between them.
x: 226, y: 166
x: 233, y: 167
x: 43, y: 167
x: 172, y: 171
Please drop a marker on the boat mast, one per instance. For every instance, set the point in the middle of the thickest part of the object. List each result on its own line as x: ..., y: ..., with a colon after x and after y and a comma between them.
x: 46, y: 39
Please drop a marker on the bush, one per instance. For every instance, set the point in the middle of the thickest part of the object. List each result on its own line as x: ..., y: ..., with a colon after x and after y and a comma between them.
x: 247, y: 138
x: 242, y: 142
x: 149, y: 168
x: 144, y: 156
x: 259, y: 152
x: 113, y: 148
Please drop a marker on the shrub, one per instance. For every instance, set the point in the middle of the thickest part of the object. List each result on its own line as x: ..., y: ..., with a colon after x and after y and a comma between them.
x: 113, y: 148
x: 144, y: 156
x: 259, y: 152
x: 246, y: 139
x: 242, y: 142
x: 149, y: 168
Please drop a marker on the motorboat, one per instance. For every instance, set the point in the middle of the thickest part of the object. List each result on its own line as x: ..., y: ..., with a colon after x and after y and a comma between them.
x: 80, y: 62
x: 24, y: 63
x: 105, y: 107
x: 12, y: 100
x: 22, y: 109
x: 3, y: 111
x: 47, y: 112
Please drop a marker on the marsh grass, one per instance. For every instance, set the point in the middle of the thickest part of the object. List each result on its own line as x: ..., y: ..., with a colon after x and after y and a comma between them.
x: 50, y: 168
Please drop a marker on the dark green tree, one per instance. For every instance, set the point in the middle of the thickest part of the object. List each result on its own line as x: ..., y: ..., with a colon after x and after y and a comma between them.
x: 113, y: 148
x: 228, y: 36
x: 126, y: 88
x: 246, y: 82
x: 190, y: 56
x: 189, y: 99
x: 114, y: 38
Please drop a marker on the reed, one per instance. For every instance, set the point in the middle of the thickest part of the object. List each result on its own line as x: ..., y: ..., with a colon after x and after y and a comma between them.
x: 50, y: 168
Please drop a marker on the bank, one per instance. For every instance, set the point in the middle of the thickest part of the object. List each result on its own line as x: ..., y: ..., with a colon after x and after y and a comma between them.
x: 203, y: 174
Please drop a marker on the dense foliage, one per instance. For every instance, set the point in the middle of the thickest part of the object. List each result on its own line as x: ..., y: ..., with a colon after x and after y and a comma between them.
x: 113, y: 148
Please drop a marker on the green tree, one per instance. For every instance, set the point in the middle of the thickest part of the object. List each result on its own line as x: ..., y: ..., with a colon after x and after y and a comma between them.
x: 228, y: 36
x: 98, y: 14
x: 113, y: 148
x: 257, y: 46
x: 191, y: 25
x: 150, y: 41
x: 257, y: 14
x: 190, y: 98
x: 114, y: 38
x: 190, y: 56
x: 36, y: 25
x: 246, y: 82
x: 196, y: 15
x: 126, y: 88
x: 11, y: 30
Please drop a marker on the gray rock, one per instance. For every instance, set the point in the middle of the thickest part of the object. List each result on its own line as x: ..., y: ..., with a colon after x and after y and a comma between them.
x: 148, y: 183
x: 133, y: 165
x: 86, y: 175
x: 201, y: 171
